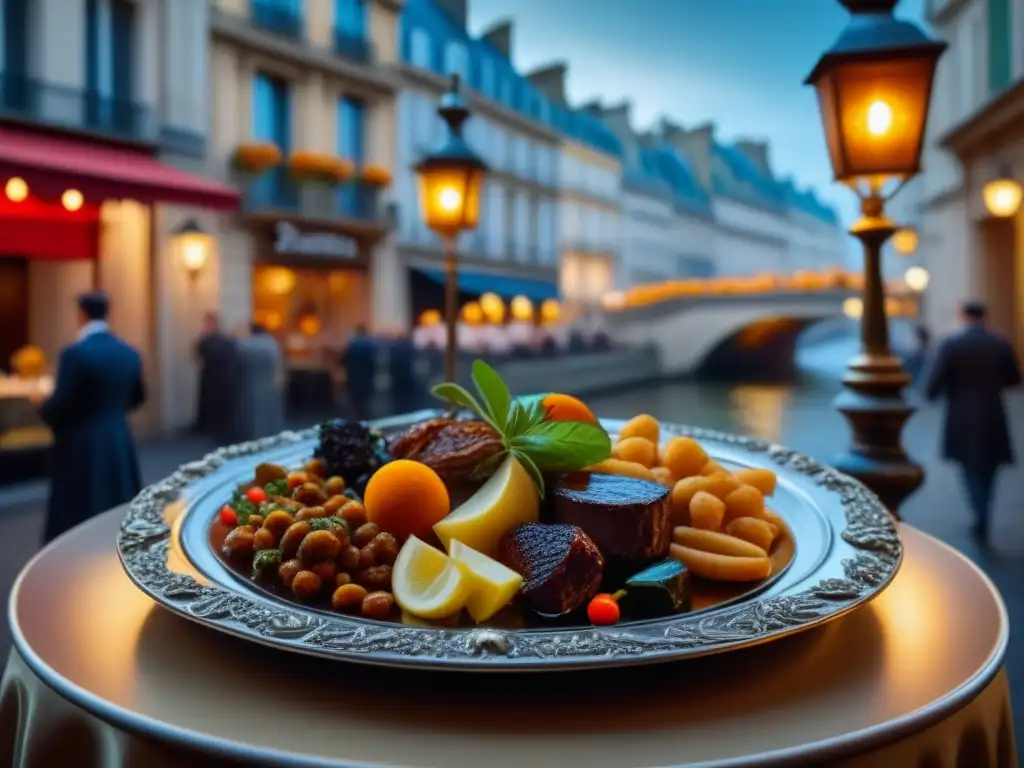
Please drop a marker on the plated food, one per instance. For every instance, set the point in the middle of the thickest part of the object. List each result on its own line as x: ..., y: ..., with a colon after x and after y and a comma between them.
x: 505, y: 512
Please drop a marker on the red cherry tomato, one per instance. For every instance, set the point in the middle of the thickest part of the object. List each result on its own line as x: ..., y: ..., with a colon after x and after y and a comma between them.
x: 228, y: 516
x: 256, y: 495
x: 603, y: 611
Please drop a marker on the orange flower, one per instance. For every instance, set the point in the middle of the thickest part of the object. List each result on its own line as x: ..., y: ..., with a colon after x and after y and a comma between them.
x: 375, y: 175
x: 316, y: 166
x: 257, y: 156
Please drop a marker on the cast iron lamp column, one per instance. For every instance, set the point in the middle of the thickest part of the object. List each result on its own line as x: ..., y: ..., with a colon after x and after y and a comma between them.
x: 874, y: 88
x: 450, y: 185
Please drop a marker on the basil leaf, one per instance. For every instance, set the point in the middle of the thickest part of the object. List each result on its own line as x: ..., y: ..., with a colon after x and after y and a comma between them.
x: 523, y: 417
x: 493, y: 391
x: 532, y: 470
x: 563, y: 446
x: 460, y: 396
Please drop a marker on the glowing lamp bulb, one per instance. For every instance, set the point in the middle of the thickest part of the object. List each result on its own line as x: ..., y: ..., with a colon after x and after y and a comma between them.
x: 916, y: 278
x: 853, y: 307
x: 16, y: 189
x: 879, y: 118
x: 72, y: 200
x: 450, y: 199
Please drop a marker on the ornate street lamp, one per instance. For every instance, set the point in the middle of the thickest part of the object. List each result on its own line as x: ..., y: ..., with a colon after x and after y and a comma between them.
x: 451, y: 180
x: 194, y: 244
x: 874, y: 87
x: 1002, y: 195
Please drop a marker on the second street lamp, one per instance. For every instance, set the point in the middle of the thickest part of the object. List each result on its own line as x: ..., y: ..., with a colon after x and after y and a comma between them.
x: 450, y: 184
x: 874, y: 87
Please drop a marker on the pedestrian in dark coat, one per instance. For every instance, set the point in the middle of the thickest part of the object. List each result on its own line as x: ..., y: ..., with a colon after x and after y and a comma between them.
x: 360, y: 361
x: 259, y: 386
x: 970, y: 372
x: 99, y: 382
x: 405, y: 388
x: 215, y: 352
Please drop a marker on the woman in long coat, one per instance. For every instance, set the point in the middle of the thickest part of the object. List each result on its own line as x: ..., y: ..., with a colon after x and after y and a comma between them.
x: 259, y: 385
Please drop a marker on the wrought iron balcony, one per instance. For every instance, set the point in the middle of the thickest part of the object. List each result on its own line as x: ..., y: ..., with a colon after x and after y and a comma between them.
x: 32, y: 100
x: 274, y: 18
x: 277, y: 191
x: 354, y: 47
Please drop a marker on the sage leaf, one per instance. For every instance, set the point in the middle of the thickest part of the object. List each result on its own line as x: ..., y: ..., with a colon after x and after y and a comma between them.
x: 532, y: 470
x: 564, y: 446
x: 460, y: 396
x: 493, y: 392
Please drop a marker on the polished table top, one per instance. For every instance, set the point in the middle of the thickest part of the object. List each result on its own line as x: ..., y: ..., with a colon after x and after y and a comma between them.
x: 914, y: 656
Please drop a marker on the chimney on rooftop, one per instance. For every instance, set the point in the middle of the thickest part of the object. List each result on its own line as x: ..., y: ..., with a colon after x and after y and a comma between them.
x: 619, y: 119
x: 696, y: 146
x: 758, y: 153
x: 550, y: 81
x: 456, y: 10
x: 500, y: 36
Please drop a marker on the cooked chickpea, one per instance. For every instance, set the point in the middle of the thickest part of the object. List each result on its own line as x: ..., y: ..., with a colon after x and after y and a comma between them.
x: 684, y: 456
x: 364, y: 534
x: 722, y: 485
x: 315, y: 468
x: 348, y: 597
x: 277, y: 522
x: 762, y: 479
x: 367, y: 557
x: 385, y: 548
x: 348, y: 558
x: 310, y: 494
x: 663, y: 475
x: 240, y: 541
x: 306, y: 584
x: 317, y: 546
x: 295, y: 479
x: 341, y: 579
x: 334, y: 486
x: 326, y: 570
x: 644, y: 425
x: 639, y: 450
x: 745, y: 501
x: 375, y: 577
x: 263, y: 539
x: 706, y: 511
x: 255, y: 521
x: 287, y: 570
x: 377, y: 605
x: 293, y: 538
x: 712, y: 468
x: 309, y: 513
x: 682, y: 492
x: 353, y: 513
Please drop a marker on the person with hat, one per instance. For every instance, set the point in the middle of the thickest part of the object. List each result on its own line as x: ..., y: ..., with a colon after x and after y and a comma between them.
x: 970, y: 372
x: 99, y: 382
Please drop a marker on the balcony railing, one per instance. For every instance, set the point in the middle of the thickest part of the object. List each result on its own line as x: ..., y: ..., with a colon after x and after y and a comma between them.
x: 273, y: 18
x: 276, y: 191
x: 354, y: 47
x: 26, y: 98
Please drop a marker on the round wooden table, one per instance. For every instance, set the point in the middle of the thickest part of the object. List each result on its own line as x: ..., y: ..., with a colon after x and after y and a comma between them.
x: 101, y: 676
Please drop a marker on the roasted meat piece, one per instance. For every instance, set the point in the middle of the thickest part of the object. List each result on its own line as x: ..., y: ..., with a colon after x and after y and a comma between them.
x: 628, y: 518
x: 560, y: 565
x: 457, y: 450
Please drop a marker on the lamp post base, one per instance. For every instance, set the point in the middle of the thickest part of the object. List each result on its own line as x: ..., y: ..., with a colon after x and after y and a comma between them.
x: 873, y: 404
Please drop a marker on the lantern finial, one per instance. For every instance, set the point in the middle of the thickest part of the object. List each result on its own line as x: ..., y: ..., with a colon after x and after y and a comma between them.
x: 453, y: 108
x: 857, y: 7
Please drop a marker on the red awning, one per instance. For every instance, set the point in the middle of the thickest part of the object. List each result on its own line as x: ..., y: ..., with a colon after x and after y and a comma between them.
x: 51, y: 164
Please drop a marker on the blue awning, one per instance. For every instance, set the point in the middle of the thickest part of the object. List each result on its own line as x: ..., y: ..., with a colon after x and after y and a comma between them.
x: 503, y: 285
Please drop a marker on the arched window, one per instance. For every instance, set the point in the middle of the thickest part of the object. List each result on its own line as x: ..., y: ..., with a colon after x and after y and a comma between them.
x: 420, y: 54
x: 455, y: 59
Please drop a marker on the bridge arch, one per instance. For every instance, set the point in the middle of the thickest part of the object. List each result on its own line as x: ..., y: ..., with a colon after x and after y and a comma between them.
x: 726, y: 336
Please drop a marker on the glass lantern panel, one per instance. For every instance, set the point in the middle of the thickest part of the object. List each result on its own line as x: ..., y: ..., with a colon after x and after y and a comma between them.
x: 444, y: 197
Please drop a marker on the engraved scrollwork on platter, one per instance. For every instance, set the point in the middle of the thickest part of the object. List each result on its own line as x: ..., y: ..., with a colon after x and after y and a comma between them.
x: 864, y: 539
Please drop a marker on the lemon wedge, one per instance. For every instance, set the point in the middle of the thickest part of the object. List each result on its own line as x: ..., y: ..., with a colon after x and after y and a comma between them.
x: 493, y: 585
x: 427, y: 583
x: 505, y: 500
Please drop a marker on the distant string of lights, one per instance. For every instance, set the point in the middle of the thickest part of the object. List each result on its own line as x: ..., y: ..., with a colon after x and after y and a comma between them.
x: 17, y: 191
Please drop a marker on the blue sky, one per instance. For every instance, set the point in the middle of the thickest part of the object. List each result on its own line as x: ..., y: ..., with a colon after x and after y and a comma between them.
x: 737, y: 63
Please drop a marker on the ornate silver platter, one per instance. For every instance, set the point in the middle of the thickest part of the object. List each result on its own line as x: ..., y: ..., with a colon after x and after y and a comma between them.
x: 846, y: 552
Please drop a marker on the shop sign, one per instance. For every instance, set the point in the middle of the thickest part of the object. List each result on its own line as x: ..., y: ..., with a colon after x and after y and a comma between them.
x: 290, y: 241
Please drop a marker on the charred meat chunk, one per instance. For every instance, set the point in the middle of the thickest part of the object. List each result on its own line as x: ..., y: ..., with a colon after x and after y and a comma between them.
x: 457, y: 450
x: 560, y: 565
x: 628, y: 518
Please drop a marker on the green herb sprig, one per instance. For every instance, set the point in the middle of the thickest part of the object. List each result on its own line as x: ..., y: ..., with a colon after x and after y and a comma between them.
x: 539, y: 445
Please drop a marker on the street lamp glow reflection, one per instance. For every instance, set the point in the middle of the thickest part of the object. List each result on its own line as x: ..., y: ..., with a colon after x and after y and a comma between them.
x: 916, y: 278
x: 879, y: 118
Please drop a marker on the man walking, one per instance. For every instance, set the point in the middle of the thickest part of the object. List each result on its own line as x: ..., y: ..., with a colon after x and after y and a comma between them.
x: 99, y: 381
x: 215, y: 352
x: 971, y: 370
